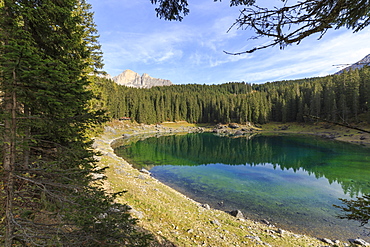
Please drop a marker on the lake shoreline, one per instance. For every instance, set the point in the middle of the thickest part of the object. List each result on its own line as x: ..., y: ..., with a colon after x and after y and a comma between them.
x: 170, y: 228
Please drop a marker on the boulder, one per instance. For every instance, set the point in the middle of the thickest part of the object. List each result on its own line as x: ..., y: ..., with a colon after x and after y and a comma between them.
x: 233, y: 125
x: 219, y: 126
x: 328, y: 241
x: 237, y: 213
x: 359, y: 241
x: 145, y: 171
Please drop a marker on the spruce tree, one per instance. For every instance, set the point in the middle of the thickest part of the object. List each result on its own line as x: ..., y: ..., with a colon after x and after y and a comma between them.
x: 48, y: 172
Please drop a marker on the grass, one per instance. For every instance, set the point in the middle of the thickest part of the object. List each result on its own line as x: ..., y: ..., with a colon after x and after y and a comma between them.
x: 327, y: 130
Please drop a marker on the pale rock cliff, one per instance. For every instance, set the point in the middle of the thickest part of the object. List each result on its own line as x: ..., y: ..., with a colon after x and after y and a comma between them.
x: 130, y: 78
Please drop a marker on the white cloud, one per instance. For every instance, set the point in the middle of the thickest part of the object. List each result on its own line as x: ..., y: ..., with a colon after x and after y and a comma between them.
x: 309, y: 59
x: 127, y: 48
x: 132, y: 37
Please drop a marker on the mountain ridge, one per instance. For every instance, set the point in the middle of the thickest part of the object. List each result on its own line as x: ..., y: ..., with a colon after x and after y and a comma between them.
x: 130, y: 78
x: 358, y: 65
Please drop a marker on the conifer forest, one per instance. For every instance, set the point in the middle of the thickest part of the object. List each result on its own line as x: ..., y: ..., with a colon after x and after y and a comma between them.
x: 339, y: 98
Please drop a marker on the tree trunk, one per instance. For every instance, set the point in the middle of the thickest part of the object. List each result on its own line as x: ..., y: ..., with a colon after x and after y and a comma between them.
x: 26, y: 140
x: 9, y: 154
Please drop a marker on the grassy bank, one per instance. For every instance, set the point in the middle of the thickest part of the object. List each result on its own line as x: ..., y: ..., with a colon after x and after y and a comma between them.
x: 326, y: 130
x: 177, y: 220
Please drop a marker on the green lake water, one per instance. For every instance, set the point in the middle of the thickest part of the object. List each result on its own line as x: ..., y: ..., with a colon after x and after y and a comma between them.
x: 291, y: 181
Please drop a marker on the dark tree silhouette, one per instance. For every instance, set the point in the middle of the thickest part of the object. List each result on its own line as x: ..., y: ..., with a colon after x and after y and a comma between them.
x: 287, y: 24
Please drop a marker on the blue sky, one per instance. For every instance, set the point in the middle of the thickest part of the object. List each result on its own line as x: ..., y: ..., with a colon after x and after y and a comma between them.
x: 191, y: 51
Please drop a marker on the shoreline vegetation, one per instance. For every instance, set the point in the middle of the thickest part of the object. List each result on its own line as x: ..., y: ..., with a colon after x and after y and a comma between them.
x: 176, y: 220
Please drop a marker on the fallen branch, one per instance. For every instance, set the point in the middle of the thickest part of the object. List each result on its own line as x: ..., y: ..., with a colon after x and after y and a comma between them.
x: 336, y: 123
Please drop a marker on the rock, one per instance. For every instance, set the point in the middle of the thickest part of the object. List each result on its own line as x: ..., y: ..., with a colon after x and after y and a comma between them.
x: 102, y: 216
x: 141, y: 177
x: 145, y: 171
x: 359, y: 241
x: 237, y: 213
x: 200, y: 130
x: 285, y: 127
x: 233, y: 125
x: 337, y: 242
x: 254, y: 238
x: 219, y: 126
x: 206, y: 206
x: 216, y: 222
x: 328, y: 241
x: 239, y: 133
x: 265, y: 222
x: 136, y: 213
x: 97, y: 176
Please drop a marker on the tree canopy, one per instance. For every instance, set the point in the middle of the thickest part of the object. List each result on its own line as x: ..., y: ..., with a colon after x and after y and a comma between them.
x: 287, y: 24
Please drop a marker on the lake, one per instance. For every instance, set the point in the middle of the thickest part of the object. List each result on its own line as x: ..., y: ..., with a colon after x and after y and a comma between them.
x: 291, y: 181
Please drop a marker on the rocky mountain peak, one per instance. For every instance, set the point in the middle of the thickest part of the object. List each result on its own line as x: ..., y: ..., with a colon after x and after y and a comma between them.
x: 130, y: 78
x: 357, y: 65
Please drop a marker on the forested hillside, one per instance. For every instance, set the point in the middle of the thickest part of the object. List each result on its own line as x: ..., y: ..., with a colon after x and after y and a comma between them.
x: 337, y: 98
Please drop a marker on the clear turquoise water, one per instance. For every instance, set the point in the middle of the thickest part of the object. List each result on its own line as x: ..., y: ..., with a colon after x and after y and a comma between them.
x: 292, y: 181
